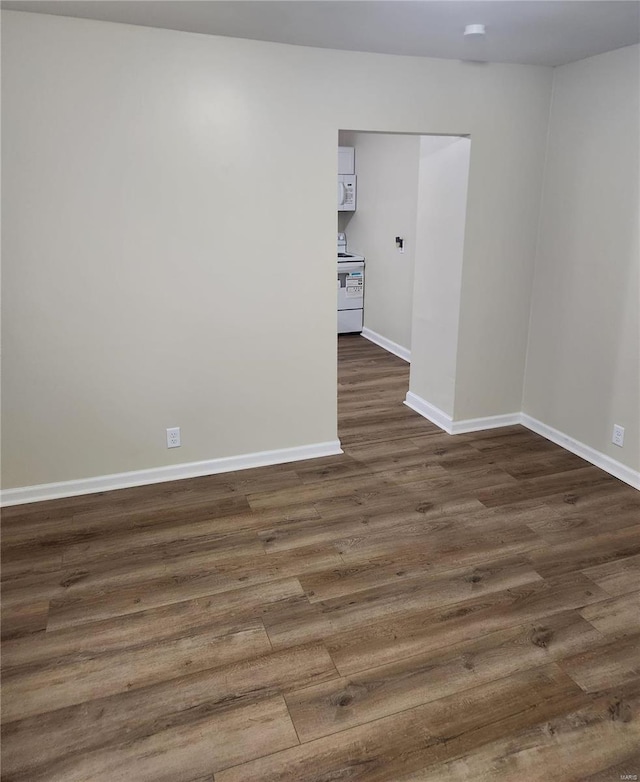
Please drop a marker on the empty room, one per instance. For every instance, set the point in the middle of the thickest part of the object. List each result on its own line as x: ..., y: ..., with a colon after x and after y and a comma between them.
x: 279, y: 510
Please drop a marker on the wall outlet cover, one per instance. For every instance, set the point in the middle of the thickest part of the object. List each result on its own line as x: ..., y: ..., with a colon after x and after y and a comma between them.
x: 618, y: 435
x: 173, y: 437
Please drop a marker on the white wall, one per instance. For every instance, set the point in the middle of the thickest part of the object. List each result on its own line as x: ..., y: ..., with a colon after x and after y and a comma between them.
x: 387, y: 199
x: 441, y: 217
x: 583, y: 359
x: 147, y: 280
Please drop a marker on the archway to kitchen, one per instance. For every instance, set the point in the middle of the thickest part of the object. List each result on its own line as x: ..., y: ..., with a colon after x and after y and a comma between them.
x: 409, y: 225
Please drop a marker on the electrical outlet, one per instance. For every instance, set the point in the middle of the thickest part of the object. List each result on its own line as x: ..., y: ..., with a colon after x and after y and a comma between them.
x: 173, y: 437
x: 618, y: 435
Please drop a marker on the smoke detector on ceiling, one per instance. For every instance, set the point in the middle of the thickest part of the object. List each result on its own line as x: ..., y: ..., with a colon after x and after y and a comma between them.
x: 474, y: 29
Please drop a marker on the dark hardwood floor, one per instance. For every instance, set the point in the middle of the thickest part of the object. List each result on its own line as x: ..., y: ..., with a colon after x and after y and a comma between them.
x: 421, y: 608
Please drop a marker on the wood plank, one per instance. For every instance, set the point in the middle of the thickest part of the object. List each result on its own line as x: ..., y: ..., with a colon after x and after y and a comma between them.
x: 617, y: 617
x: 163, y: 544
x: 175, y: 754
x: 310, y: 492
x: 377, y: 692
x: 326, y: 530
x: 588, y: 741
x: 568, y: 524
x: 479, y: 477
x: 394, y: 639
x: 380, y: 456
x: 553, y: 463
x: 331, y: 468
x: 163, y: 507
x: 28, y: 560
x: 597, y: 550
x: 397, y: 500
x: 24, y: 618
x: 610, y: 665
x: 334, y: 527
x: 383, y: 750
x: 628, y: 769
x: 508, y: 441
x: 402, y: 566
x: 589, y: 552
x: 191, y: 577
x: 592, y: 496
x: 63, y: 737
x: 351, y: 612
x: 407, y: 595
x: 536, y: 488
x: 476, y: 545
x: 456, y: 521
x: 30, y: 690
x: 165, y: 623
x: 605, y: 502
x: 617, y: 576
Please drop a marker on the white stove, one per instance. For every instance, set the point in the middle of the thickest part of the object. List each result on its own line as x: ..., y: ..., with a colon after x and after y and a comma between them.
x: 350, y: 289
x: 343, y: 255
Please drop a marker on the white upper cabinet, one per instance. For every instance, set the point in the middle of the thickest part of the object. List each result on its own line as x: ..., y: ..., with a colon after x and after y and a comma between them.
x: 346, y: 160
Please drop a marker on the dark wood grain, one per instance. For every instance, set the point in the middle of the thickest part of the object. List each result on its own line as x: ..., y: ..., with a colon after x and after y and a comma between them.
x: 377, y: 692
x: 420, y: 607
x: 586, y: 745
x: 617, y: 576
x: 611, y: 664
x: 616, y: 618
x: 387, y: 748
x: 66, y: 735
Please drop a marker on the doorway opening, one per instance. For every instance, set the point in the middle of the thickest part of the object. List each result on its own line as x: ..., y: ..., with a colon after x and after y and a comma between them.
x: 407, y: 222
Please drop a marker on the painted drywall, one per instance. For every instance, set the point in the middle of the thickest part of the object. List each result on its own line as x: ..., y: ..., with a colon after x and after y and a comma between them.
x: 583, y: 369
x: 387, y: 201
x: 169, y: 236
x: 440, y: 230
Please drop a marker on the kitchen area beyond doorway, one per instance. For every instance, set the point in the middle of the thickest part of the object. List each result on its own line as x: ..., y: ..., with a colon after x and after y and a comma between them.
x: 350, y: 289
x: 403, y: 220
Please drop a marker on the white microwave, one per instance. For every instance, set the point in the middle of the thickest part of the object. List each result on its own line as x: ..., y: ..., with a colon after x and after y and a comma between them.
x: 346, y: 193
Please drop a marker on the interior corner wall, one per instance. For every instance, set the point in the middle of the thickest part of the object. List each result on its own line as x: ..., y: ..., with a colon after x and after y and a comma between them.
x: 387, y: 171
x: 165, y: 194
x: 440, y: 230
x: 583, y: 362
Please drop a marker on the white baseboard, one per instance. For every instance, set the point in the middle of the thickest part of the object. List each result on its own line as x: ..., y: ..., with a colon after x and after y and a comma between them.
x: 429, y: 411
x: 597, y: 458
x: 586, y: 452
x: 444, y: 421
x: 387, y: 344
x: 173, y: 472
x: 490, y: 422
x: 50, y: 491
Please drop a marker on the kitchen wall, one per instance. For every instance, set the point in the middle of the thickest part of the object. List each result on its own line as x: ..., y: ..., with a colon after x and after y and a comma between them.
x: 440, y: 231
x: 169, y: 236
x: 387, y: 203
x: 583, y: 370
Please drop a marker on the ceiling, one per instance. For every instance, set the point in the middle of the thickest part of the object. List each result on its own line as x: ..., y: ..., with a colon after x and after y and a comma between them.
x: 539, y: 32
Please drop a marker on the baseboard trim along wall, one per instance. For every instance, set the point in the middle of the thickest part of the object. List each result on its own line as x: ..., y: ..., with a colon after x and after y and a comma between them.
x: 597, y: 458
x: 444, y: 420
x: 173, y: 472
x: 387, y: 344
x: 429, y: 411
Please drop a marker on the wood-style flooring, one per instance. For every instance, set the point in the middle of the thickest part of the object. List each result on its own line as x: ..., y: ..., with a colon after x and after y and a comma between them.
x: 421, y: 608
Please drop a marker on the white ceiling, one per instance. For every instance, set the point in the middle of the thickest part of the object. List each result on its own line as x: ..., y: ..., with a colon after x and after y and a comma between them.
x: 542, y: 32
